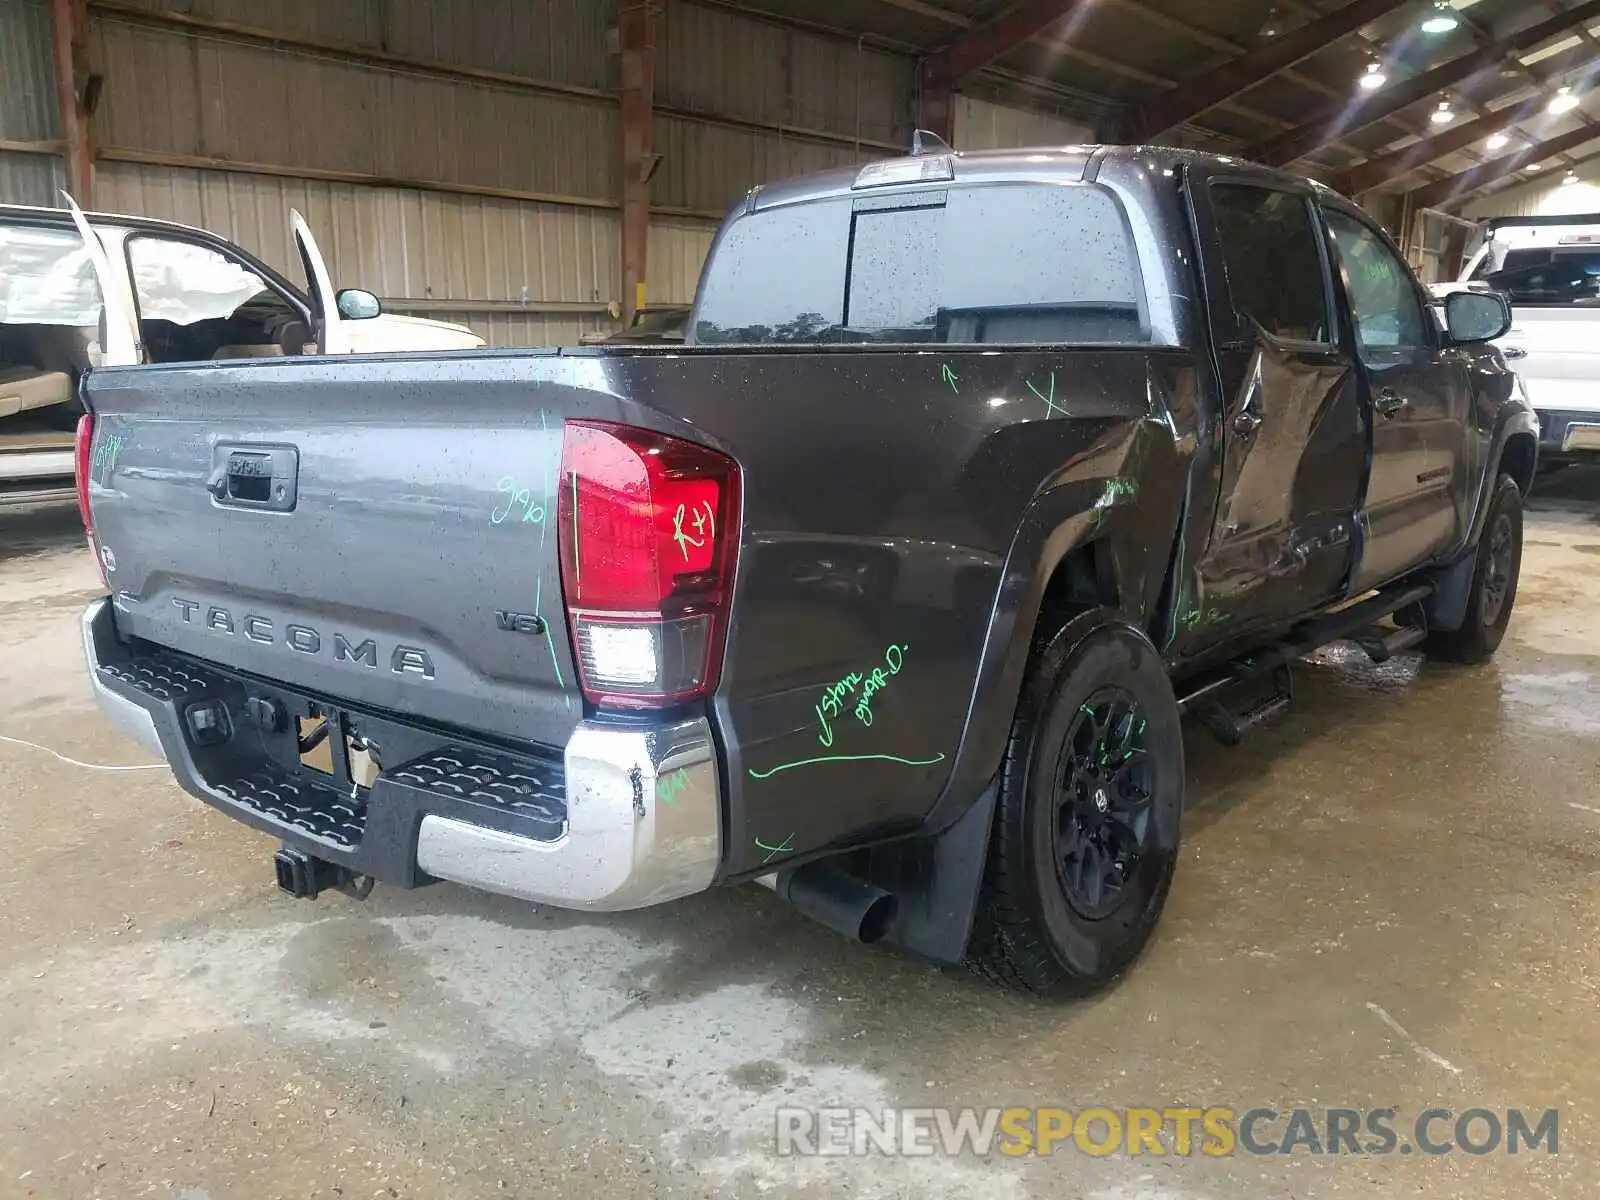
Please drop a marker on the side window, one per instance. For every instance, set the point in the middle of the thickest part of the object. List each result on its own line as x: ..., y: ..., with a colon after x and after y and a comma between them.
x: 1383, y: 299
x: 1270, y: 249
x: 196, y: 303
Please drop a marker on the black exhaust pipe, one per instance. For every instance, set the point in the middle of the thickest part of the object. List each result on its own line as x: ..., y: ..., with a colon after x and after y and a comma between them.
x: 841, y: 902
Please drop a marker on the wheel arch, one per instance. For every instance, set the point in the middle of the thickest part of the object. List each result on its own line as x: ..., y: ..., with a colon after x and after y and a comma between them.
x: 1070, y: 562
x: 1520, y: 459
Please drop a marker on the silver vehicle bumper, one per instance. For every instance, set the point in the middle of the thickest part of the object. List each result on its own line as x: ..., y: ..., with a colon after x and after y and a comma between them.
x: 643, y: 808
x: 643, y: 819
x: 134, y: 720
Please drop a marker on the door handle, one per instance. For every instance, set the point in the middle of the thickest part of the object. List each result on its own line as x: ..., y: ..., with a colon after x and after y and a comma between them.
x: 254, y: 476
x: 1515, y: 352
x: 1388, y: 402
x: 1246, y: 421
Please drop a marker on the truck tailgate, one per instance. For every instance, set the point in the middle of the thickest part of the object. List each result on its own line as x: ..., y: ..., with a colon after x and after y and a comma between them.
x: 360, y: 530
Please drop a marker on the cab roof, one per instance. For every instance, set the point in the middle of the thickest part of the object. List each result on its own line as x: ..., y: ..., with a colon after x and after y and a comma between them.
x: 1042, y: 164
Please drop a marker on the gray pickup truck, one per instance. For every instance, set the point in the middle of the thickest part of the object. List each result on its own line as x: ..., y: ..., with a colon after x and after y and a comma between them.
x: 888, y: 590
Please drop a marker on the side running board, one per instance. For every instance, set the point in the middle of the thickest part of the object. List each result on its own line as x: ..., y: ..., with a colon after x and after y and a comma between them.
x: 1240, y: 680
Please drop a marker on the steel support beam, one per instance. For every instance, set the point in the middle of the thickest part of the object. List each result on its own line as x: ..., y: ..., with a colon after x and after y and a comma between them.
x: 1449, y: 191
x: 636, y: 23
x: 980, y: 46
x: 1338, y: 119
x: 1197, y: 96
x: 1364, y: 177
x: 936, y: 109
x: 69, y: 37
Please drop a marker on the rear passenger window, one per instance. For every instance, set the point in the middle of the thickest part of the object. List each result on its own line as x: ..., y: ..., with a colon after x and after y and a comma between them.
x: 1270, y: 250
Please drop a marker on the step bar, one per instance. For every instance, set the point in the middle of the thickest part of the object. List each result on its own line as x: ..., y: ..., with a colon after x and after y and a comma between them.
x: 1205, y: 697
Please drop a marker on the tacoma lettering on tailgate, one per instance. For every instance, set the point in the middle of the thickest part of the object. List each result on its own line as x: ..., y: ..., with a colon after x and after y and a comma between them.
x: 403, y: 660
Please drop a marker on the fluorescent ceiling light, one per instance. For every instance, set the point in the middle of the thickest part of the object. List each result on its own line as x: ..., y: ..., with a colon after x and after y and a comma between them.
x: 1564, y: 101
x: 1551, y: 50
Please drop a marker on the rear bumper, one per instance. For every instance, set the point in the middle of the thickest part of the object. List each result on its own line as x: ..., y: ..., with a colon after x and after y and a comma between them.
x: 1568, y: 433
x: 624, y: 817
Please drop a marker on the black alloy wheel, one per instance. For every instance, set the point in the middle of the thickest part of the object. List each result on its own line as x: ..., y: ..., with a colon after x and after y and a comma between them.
x: 1496, y: 568
x: 1499, y: 566
x: 1104, y: 800
x: 1087, y: 817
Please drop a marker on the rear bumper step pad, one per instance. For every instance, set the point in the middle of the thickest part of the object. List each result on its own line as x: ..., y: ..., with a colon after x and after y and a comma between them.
x: 448, y: 808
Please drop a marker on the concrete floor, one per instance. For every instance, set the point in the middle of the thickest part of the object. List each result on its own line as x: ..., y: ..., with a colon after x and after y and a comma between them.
x: 1388, y: 898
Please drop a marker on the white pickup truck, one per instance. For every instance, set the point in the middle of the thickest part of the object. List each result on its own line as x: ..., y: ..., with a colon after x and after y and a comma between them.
x: 1550, y: 269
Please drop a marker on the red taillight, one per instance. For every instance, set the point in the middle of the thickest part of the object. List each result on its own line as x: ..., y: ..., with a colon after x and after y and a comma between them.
x: 648, y: 527
x: 82, y: 464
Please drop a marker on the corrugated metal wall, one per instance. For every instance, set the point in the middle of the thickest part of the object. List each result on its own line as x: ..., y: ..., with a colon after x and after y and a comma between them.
x: 27, y: 104
x: 490, y: 200
x: 499, y: 265
x: 982, y: 125
x: 1548, y: 197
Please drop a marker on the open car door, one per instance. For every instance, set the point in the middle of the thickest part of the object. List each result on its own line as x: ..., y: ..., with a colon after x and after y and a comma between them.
x: 120, y: 344
x: 332, y: 336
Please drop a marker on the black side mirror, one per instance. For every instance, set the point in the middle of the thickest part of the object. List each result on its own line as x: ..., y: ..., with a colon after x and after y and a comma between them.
x: 357, y: 305
x: 1476, y: 316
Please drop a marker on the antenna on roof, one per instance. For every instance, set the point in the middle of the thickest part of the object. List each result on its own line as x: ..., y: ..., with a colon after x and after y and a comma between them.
x: 925, y: 141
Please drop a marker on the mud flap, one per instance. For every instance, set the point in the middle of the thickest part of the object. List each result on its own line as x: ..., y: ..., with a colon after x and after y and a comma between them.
x: 936, y: 883
x: 1452, y: 589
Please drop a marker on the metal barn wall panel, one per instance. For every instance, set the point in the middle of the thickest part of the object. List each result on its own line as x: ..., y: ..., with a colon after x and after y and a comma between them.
x: 182, y: 94
x: 711, y: 60
x: 503, y: 329
x: 355, y: 21
x: 480, y: 258
x: 707, y: 168
x: 678, y: 249
x: 563, y: 41
x: 559, y: 41
x: 31, y: 179
x: 27, y: 79
x: 1543, y: 198
x: 981, y: 125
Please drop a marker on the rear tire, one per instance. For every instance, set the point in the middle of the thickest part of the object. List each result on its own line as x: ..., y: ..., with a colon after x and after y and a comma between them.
x: 1085, y: 836
x: 1494, y: 583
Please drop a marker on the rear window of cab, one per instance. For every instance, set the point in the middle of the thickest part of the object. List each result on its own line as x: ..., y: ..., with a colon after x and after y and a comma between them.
x: 991, y: 264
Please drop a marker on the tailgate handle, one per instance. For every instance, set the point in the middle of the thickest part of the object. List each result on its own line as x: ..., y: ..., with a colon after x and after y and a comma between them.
x: 263, y: 477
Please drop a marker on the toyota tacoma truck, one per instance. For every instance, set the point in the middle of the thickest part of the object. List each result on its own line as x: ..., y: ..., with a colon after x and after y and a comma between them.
x: 889, y: 589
